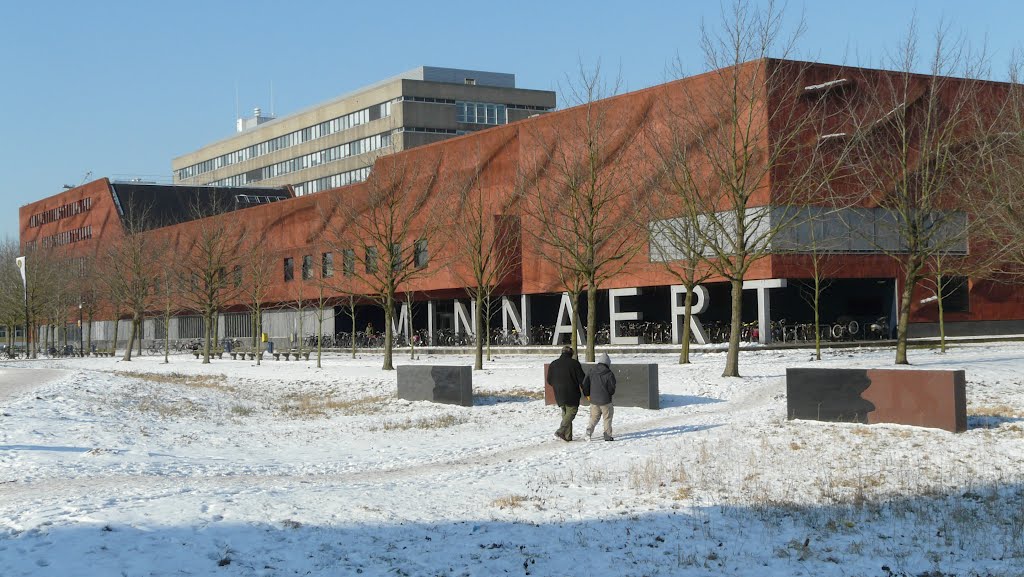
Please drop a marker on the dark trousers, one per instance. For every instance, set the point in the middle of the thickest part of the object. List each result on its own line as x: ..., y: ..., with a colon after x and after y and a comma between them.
x: 568, y: 414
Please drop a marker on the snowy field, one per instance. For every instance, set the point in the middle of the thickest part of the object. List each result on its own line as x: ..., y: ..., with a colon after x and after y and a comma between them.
x: 234, y: 469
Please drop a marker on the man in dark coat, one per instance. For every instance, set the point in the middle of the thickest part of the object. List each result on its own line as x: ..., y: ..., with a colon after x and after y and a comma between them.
x: 565, y: 375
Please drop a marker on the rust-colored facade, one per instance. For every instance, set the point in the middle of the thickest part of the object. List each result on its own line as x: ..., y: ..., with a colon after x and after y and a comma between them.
x: 507, y: 161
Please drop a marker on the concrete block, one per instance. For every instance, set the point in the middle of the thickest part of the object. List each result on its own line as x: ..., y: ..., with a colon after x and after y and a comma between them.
x: 452, y: 385
x: 636, y: 385
x: 923, y: 398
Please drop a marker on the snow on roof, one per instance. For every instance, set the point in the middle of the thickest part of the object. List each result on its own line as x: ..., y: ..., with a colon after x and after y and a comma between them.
x: 826, y: 85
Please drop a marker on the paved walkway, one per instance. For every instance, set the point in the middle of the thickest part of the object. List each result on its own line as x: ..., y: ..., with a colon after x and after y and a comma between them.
x: 17, y: 382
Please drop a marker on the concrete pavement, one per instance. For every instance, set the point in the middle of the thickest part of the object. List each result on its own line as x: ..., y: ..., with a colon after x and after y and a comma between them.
x: 17, y: 382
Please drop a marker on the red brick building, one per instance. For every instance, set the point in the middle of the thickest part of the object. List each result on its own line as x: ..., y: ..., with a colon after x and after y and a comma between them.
x: 508, y: 163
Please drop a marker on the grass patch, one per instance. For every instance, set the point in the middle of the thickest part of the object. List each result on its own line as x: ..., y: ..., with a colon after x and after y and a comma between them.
x: 439, y: 422
x: 170, y: 409
x: 310, y: 405
x: 517, y: 393
x: 240, y: 411
x: 995, y: 411
x: 216, y: 382
x: 512, y: 501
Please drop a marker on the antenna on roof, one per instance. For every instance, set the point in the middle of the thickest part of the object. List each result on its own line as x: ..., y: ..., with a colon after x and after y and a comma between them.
x: 237, y: 112
x: 272, y: 98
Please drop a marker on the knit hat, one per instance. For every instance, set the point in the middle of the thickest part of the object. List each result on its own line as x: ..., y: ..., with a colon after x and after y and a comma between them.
x: 604, y: 360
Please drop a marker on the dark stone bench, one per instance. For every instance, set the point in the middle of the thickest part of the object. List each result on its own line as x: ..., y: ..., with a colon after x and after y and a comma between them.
x: 451, y: 385
x: 923, y: 398
x: 636, y: 385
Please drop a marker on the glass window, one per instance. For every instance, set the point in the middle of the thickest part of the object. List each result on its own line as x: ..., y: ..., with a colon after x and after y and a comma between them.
x: 327, y: 265
x: 348, y: 257
x: 956, y: 294
x: 289, y: 269
x: 422, y: 255
x: 371, y: 259
x: 307, y: 267
x: 396, y: 257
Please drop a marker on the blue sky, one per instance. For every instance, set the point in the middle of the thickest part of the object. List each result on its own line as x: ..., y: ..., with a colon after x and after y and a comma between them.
x: 118, y: 89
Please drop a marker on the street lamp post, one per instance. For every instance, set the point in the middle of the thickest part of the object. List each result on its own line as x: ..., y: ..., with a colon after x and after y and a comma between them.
x: 21, y: 262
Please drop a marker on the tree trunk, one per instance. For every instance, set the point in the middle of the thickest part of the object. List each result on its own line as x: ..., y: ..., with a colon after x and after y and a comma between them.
x: 574, y: 323
x: 258, y: 321
x: 131, y: 341
x: 487, y: 323
x: 389, y: 313
x: 113, y: 345
x: 140, y: 333
x: 167, y: 338
x: 478, y: 309
x: 817, y: 316
x: 319, y: 337
x: 942, y: 323
x: 591, y: 319
x: 206, y: 340
x: 903, y: 321
x: 352, y: 314
x: 684, y: 349
x: 732, y: 357
x: 88, y: 340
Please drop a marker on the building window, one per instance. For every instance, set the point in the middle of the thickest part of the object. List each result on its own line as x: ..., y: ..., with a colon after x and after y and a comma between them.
x: 481, y: 113
x: 396, y: 257
x: 421, y: 255
x: 348, y: 264
x: 236, y: 274
x: 289, y: 269
x: 327, y: 265
x: 307, y: 267
x: 956, y: 294
x: 371, y: 259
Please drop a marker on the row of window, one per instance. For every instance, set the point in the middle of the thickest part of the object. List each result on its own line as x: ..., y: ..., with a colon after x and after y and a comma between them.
x: 481, y: 113
x: 333, y: 181
x: 430, y: 130
x: 54, y: 214
x: 354, y: 148
x: 420, y: 259
x: 297, y: 137
x: 67, y: 237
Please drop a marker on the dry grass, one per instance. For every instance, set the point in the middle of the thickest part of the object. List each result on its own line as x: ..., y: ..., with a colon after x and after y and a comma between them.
x: 310, y: 405
x: 170, y: 409
x: 995, y: 411
x: 517, y: 393
x: 512, y: 501
x: 216, y: 382
x: 439, y: 422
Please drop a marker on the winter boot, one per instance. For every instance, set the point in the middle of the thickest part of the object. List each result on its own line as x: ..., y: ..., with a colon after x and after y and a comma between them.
x: 608, y: 437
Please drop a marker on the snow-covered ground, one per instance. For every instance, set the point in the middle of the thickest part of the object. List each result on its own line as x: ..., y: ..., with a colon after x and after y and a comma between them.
x: 226, y: 469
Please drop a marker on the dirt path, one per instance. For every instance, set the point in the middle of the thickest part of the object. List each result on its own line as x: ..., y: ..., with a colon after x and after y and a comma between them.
x: 17, y: 382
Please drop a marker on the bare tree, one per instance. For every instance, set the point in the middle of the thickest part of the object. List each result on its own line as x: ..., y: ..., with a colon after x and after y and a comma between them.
x: 12, y: 303
x: 743, y: 128
x: 212, y: 248
x: 578, y: 186
x: 389, y: 225
x: 915, y: 147
x: 257, y: 271
x: 129, y: 263
x: 485, y: 242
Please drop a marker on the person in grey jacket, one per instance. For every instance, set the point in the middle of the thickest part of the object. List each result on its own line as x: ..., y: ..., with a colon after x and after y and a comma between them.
x: 599, y: 387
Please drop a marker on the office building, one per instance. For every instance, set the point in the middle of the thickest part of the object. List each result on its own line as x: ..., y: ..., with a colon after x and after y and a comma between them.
x: 335, y: 143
